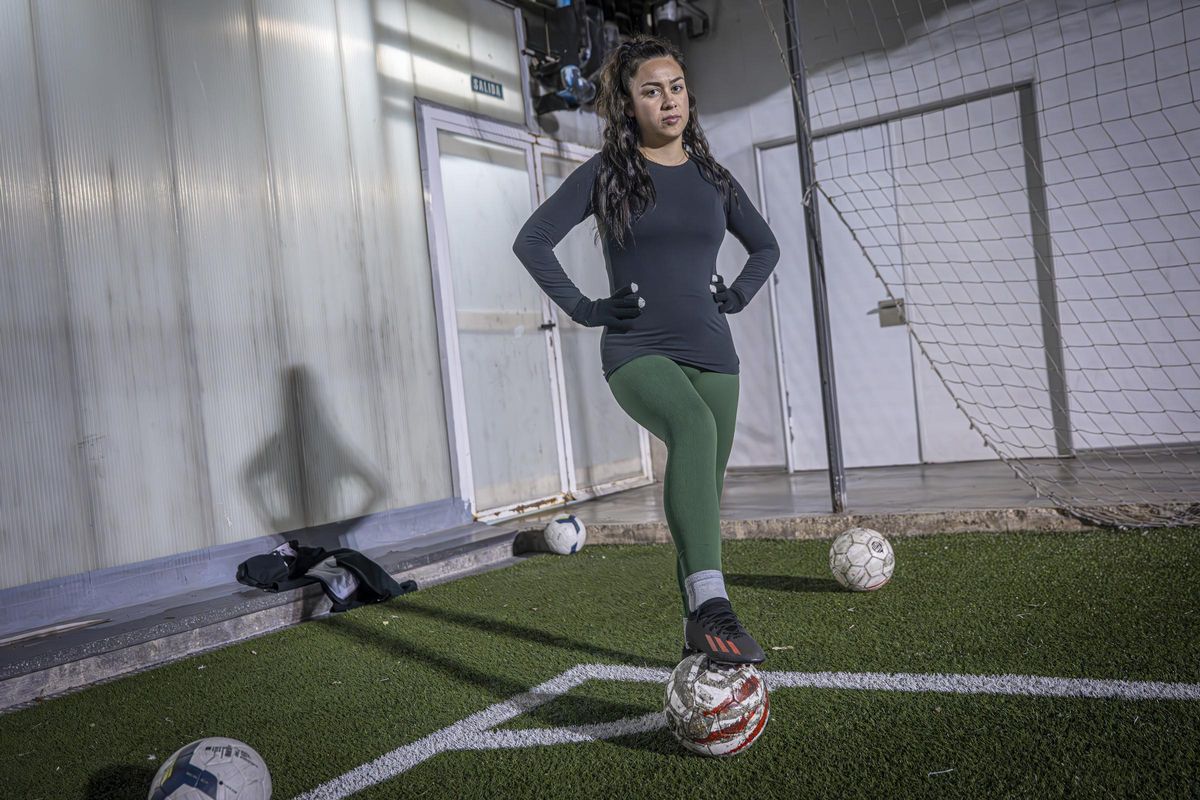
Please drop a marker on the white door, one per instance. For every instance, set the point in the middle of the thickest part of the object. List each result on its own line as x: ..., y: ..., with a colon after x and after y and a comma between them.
x: 970, y: 279
x: 937, y: 202
x: 517, y: 428
x: 872, y: 368
x: 609, y: 449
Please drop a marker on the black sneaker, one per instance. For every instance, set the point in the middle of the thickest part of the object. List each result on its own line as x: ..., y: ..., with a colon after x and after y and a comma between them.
x: 713, y: 629
x: 687, y: 651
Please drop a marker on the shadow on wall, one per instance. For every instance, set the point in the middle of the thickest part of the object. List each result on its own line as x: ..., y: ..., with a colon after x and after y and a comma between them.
x: 305, y: 474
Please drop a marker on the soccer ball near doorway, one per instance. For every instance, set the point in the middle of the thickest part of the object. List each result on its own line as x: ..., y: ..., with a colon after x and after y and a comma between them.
x: 565, y: 535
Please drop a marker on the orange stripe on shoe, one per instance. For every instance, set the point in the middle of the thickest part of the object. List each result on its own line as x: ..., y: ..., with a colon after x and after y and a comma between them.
x: 733, y: 647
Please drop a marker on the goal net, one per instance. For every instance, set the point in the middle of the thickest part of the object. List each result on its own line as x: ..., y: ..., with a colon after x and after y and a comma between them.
x: 1023, y: 176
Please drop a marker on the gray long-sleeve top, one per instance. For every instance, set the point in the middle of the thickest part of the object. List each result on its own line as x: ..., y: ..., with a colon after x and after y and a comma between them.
x: 671, y: 257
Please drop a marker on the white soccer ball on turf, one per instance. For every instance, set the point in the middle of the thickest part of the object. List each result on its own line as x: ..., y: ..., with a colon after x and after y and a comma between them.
x: 215, y: 768
x: 861, y: 559
x: 716, y: 709
x: 565, y: 535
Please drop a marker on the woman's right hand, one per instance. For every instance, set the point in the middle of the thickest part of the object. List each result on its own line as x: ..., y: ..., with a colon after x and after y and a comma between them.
x: 615, y: 311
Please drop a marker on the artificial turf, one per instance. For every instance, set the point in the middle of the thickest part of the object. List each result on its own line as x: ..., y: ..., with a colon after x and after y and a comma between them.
x: 322, y: 698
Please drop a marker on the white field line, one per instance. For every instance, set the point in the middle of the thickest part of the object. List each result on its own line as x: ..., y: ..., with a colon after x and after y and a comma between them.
x: 476, y: 731
x: 1024, y: 685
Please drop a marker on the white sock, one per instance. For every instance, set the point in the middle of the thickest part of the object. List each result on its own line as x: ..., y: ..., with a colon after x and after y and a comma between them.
x: 704, y: 585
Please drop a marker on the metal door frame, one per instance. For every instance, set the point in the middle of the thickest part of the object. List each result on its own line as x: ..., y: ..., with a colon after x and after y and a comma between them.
x: 785, y: 408
x: 432, y: 116
x: 1030, y: 141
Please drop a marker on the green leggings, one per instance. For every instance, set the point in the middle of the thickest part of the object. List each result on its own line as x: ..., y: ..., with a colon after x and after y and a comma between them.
x: 693, y: 412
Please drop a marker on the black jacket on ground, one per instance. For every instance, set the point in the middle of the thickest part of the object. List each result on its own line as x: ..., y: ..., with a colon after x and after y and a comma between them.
x: 274, y: 572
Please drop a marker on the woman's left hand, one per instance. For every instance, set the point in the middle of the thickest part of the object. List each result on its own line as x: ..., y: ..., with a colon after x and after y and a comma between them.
x: 728, y: 300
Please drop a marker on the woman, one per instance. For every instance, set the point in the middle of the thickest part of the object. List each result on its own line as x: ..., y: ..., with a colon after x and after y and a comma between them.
x: 662, y: 205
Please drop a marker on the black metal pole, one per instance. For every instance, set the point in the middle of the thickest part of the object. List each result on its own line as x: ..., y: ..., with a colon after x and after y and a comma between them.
x: 816, y: 263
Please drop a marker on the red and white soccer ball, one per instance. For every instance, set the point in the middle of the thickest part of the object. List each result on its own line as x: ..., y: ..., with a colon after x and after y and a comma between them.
x: 716, y: 709
x: 861, y: 559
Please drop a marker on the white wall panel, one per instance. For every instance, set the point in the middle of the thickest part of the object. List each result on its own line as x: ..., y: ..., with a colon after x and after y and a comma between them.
x: 1121, y: 141
x: 42, y: 486
x: 332, y: 361
x: 410, y: 448
x: 226, y: 230
x: 143, y: 446
x: 217, y: 299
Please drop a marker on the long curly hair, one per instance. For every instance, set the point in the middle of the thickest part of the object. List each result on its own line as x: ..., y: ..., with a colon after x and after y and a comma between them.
x: 623, y: 189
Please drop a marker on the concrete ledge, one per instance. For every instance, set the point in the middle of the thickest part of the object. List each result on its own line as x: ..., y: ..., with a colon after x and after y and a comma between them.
x: 826, y: 526
x: 257, y: 613
x: 98, y: 592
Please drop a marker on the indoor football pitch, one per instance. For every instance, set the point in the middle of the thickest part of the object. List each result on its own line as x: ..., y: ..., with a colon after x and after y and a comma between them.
x: 992, y: 665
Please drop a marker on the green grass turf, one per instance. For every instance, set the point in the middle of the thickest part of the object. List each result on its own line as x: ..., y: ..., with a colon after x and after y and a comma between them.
x: 322, y: 698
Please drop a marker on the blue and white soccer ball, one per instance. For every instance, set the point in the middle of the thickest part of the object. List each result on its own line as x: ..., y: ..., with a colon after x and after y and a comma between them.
x: 215, y: 768
x: 565, y: 535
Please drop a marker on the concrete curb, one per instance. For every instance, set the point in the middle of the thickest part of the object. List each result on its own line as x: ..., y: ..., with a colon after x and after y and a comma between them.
x: 265, y: 614
x: 827, y: 526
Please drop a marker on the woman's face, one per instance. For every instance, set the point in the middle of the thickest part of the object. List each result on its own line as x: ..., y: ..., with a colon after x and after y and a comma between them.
x: 660, y: 101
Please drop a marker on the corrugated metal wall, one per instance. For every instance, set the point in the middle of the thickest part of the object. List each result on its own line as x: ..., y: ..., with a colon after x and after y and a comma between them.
x: 216, y: 302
